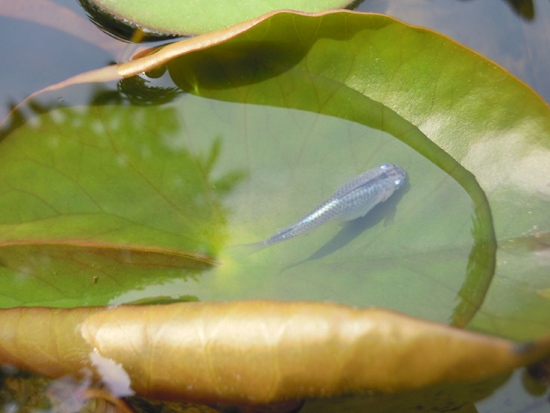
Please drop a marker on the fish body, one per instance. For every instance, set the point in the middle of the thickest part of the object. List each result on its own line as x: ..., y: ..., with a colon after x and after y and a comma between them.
x: 352, y: 200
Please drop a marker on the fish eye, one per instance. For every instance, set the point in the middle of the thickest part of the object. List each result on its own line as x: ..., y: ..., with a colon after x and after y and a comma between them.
x: 384, y: 166
x: 398, y: 182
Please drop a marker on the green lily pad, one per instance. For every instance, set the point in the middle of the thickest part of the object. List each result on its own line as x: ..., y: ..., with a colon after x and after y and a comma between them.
x: 290, y: 110
x: 194, y: 17
x: 296, y: 163
x: 122, y: 187
x: 487, y: 120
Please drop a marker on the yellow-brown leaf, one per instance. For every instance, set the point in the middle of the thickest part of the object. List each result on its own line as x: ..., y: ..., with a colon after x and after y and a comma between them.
x: 255, y: 352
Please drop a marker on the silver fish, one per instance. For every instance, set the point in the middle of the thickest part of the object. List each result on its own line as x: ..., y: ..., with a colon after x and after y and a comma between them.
x: 352, y: 200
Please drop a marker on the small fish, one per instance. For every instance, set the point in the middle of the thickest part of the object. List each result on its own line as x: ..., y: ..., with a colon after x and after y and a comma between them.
x: 352, y: 200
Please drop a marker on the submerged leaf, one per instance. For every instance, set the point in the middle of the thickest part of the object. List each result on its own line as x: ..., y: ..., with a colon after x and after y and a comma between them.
x: 103, y: 207
x: 254, y: 352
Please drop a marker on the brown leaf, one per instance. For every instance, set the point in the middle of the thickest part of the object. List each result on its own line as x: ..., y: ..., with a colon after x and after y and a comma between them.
x: 255, y: 352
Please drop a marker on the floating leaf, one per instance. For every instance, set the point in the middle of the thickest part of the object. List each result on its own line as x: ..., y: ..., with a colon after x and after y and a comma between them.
x: 485, y: 119
x: 188, y: 17
x: 162, y: 188
x: 217, y: 352
x: 306, y: 68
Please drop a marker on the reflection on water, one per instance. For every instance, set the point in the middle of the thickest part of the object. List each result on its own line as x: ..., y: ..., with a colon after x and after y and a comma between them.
x: 27, y: 392
x: 140, y: 90
x: 523, y: 8
x: 514, y: 392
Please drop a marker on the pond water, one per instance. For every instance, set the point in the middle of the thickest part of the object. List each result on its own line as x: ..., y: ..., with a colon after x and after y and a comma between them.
x: 243, y: 190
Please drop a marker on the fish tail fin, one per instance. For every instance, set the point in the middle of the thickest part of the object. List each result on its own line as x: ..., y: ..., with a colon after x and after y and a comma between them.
x: 242, y: 251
